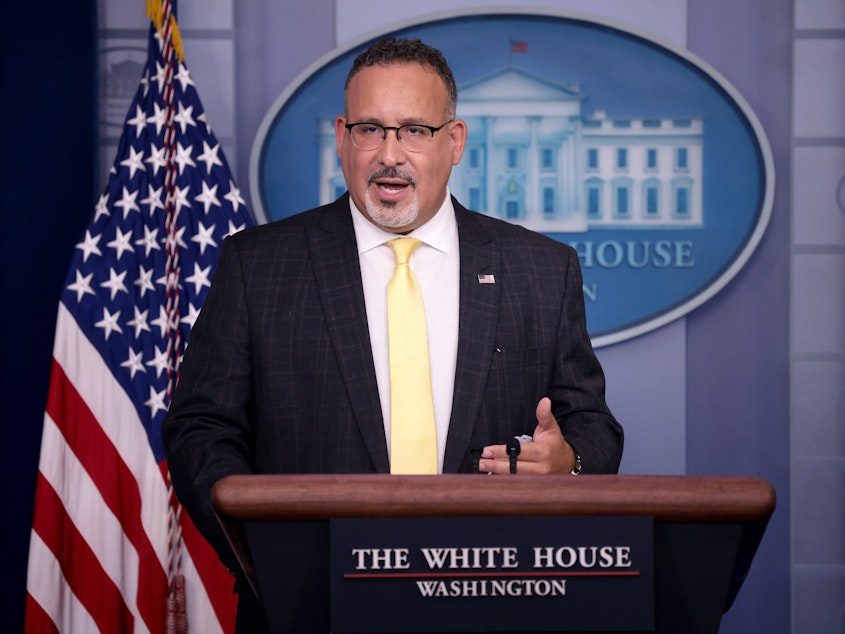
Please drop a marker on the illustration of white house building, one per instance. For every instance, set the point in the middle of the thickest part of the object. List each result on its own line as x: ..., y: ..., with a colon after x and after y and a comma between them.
x: 534, y: 158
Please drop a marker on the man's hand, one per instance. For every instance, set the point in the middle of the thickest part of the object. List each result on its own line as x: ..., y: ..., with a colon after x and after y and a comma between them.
x: 549, y: 453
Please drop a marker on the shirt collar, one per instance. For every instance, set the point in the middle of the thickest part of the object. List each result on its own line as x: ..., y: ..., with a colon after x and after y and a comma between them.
x: 438, y: 233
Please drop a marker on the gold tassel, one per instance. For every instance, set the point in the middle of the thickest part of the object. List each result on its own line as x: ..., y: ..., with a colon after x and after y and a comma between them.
x: 155, y: 13
x: 176, y: 36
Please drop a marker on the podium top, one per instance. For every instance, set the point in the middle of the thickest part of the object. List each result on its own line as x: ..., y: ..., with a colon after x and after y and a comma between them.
x: 705, y: 499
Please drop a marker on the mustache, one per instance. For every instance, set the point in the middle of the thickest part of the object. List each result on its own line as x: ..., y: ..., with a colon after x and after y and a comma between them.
x: 391, y: 172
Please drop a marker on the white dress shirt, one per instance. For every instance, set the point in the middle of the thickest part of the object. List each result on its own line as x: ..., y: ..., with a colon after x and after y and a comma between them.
x: 436, y: 264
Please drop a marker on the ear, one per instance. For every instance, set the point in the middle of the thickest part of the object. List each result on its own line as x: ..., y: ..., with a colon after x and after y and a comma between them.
x: 339, y: 132
x: 458, y: 139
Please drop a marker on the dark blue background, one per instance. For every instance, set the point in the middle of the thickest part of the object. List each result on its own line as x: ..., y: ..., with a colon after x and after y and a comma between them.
x: 47, y: 195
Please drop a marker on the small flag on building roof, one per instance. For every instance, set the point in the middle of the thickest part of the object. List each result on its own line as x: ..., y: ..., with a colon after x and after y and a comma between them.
x: 519, y: 46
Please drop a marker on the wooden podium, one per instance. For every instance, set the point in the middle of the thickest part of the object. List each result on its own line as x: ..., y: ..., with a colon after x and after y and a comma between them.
x: 706, y: 530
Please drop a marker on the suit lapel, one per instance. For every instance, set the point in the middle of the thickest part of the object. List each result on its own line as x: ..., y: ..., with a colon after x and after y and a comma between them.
x: 478, y: 315
x: 334, y: 256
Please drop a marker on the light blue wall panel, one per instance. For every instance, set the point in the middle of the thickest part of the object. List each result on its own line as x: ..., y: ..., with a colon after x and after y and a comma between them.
x: 818, y: 318
x: 818, y: 309
x: 818, y: 176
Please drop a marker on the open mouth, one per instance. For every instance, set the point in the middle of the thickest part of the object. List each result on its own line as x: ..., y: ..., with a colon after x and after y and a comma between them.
x: 392, y: 188
x: 391, y: 184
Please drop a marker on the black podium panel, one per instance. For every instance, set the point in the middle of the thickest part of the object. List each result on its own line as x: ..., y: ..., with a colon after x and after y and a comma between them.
x: 695, y: 572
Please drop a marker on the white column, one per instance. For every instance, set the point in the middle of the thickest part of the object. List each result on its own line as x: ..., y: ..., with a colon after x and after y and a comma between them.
x: 492, y: 168
x: 533, y: 208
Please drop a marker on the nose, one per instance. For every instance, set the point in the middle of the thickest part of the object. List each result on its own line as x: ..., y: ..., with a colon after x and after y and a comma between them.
x: 391, y: 151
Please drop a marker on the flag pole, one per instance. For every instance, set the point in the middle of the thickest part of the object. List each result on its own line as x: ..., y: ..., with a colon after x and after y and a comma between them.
x: 161, y: 13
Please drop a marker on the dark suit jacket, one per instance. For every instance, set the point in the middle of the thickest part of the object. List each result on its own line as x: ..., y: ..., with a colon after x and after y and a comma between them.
x: 279, y: 376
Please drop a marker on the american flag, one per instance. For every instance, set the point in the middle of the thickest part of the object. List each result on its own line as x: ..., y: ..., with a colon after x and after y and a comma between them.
x: 519, y: 46
x: 109, y: 545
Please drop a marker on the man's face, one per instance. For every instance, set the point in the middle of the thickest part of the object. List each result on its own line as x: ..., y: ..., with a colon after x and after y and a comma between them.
x: 396, y: 189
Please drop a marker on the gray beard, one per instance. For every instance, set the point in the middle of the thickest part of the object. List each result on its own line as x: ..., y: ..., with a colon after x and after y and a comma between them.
x: 390, y: 215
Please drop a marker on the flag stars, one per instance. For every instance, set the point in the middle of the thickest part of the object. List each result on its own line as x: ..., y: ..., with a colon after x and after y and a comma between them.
x: 102, y: 207
x: 109, y: 323
x: 139, y: 322
x: 156, y: 159
x: 204, y: 120
x: 134, y: 363
x: 159, y: 76
x: 181, y: 197
x: 139, y: 121
x: 89, y: 245
x: 82, y: 286
x: 178, y: 238
x: 204, y: 237
x: 156, y: 402
x: 127, y: 202
x: 208, y: 197
x: 160, y: 362
x: 144, y: 281
x: 184, y: 117
x: 234, y: 196
x: 200, y: 278
x: 135, y: 162
x: 145, y: 82
x: 162, y: 321
x: 121, y: 242
x: 233, y: 229
x: 159, y: 117
x: 169, y: 281
x: 209, y: 156
x: 191, y: 317
x: 183, y: 157
x: 149, y: 241
x: 147, y: 300
x: 180, y: 234
x: 153, y: 199
x: 184, y: 77
x: 115, y: 283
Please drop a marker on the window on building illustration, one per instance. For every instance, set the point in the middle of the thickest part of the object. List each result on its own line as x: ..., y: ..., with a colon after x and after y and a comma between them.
x: 474, y: 158
x: 547, y: 158
x: 652, y: 200
x: 682, y: 201
x: 511, y: 209
x: 593, y: 158
x: 622, y: 202
x: 622, y: 158
x: 651, y: 158
x: 513, y: 158
x: 594, y: 201
x: 548, y: 200
x: 681, y: 158
x: 475, y: 198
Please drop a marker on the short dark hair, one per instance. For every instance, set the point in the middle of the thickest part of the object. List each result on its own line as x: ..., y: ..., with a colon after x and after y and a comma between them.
x: 407, y: 51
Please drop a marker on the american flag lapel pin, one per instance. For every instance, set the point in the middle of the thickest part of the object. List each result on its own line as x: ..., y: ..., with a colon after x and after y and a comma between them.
x: 486, y: 278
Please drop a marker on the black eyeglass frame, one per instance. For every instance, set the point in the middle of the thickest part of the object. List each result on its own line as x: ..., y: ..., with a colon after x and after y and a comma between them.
x: 385, y: 128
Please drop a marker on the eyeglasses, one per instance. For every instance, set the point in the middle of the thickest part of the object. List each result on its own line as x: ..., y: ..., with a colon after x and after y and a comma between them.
x: 414, y: 137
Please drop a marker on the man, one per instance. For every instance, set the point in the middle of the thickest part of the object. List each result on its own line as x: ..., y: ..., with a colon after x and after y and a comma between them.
x: 288, y: 369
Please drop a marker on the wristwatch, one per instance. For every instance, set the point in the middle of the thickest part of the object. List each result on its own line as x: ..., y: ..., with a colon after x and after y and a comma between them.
x: 577, y: 468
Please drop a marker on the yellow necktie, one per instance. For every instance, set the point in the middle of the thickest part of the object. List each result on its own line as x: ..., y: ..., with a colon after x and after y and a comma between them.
x: 413, y: 437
